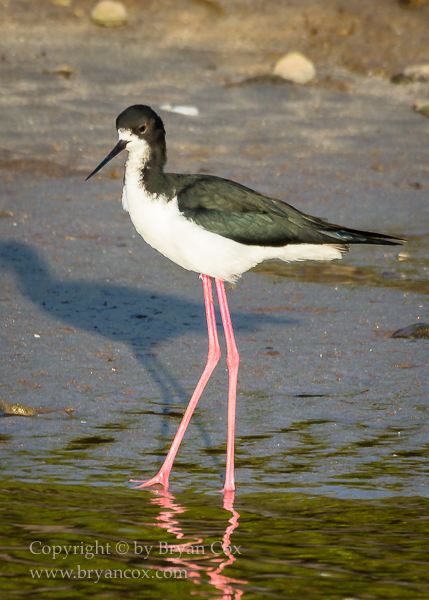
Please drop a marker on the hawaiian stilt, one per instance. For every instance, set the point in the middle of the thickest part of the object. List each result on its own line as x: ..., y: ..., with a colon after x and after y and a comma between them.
x: 220, y: 229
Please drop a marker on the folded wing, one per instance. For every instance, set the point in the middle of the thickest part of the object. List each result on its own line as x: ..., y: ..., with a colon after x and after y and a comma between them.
x: 238, y: 213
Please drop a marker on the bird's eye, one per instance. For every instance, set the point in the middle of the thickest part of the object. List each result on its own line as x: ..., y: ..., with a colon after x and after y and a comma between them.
x: 142, y: 128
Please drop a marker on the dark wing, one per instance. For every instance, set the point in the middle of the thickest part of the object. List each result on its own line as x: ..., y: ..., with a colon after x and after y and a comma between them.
x: 240, y: 214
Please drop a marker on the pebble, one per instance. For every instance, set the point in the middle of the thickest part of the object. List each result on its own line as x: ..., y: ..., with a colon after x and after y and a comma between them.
x: 295, y: 67
x: 64, y: 72
x: 19, y: 410
x: 417, y: 331
x: 418, y: 73
x: 65, y: 3
x: 22, y: 410
x: 109, y: 13
x: 422, y: 109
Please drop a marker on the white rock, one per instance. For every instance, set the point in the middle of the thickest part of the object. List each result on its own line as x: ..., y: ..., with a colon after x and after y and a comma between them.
x: 109, y: 13
x: 417, y: 73
x: 189, y: 111
x: 295, y: 67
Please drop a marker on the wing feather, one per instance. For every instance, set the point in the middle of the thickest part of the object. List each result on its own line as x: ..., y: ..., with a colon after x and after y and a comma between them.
x: 238, y: 213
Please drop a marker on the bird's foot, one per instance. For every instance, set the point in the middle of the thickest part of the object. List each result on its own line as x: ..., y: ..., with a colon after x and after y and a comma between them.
x: 229, y: 485
x: 160, y: 479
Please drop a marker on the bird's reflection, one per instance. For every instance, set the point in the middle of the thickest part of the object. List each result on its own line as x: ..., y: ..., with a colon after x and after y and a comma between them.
x: 212, y: 560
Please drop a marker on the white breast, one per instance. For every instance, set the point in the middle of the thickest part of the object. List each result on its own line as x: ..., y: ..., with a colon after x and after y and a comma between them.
x: 163, y: 227
x: 124, y: 198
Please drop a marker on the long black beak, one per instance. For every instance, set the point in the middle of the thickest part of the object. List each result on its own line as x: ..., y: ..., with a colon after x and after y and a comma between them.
x: 116, y: 150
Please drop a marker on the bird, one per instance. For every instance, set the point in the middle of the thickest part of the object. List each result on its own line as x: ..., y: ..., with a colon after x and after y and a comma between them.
x: 219, y: 229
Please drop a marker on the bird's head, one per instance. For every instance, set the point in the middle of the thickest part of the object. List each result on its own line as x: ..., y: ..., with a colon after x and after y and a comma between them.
x: 141, y: 131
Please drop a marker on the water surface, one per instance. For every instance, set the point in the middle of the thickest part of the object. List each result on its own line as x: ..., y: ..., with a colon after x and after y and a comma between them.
x: 72, y: 541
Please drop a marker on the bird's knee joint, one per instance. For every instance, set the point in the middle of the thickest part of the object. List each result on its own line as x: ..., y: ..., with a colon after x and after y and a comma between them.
x: 214, y: 355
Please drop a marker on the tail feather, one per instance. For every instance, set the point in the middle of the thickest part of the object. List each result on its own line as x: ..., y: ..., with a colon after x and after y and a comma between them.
x: 355, y: 236
x: 339, y: 235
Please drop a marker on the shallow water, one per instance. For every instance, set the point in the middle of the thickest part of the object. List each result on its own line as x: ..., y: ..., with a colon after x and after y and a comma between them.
x: 73, y: 541
x: 409, y: 273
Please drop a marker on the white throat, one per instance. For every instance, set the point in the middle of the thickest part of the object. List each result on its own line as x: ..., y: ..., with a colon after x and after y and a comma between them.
x: 138, y: 152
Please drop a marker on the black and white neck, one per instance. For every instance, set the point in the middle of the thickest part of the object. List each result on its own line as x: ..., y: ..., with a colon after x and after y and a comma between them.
x: 143, y: 133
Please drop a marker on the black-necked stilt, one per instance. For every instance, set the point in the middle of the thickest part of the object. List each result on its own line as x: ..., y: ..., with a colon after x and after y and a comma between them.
x: 220, y: 229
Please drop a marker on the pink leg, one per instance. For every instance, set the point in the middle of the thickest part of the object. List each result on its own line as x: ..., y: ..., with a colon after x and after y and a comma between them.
x: 212, y: 360
x: 232, y: 360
